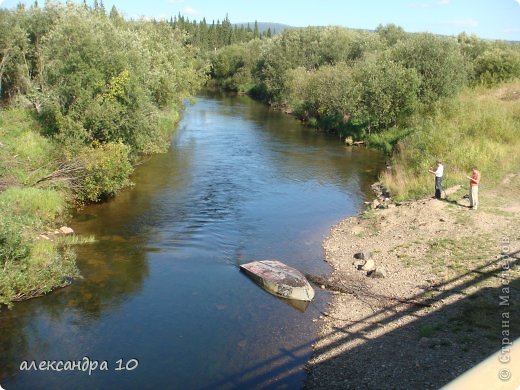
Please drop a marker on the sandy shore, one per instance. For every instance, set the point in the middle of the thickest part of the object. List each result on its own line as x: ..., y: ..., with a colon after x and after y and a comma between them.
x: 436, y: 311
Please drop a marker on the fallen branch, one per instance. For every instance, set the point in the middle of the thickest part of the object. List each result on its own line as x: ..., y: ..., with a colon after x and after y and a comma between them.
x: 68, y: 172
x: 360, y: 291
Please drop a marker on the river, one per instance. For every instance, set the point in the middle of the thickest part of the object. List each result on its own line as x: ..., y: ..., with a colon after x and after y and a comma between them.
x: 161, y: 290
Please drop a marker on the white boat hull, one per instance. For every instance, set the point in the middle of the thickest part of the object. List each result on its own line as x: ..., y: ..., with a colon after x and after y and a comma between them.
x: 279, y: 279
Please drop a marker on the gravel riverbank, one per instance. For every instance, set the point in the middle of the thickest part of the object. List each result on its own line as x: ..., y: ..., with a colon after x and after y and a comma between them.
x: 431, y: 311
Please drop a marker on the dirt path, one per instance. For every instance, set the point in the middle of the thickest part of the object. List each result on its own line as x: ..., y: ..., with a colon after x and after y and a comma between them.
x: 436, y: 311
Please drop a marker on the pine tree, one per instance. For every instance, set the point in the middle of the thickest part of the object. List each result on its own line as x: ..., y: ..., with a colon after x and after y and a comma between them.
x: 203, y: 31
x: 114, y: 14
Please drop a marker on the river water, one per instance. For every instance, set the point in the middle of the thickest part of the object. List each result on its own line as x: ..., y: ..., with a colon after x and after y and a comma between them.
x: 161, y: 284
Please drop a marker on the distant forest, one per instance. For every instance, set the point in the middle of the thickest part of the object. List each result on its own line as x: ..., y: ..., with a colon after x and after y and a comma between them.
x: 216, y: 35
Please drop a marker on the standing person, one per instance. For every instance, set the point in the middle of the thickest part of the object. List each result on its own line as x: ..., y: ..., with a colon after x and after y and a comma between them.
x: 474, y: 179
x: 439, y: 173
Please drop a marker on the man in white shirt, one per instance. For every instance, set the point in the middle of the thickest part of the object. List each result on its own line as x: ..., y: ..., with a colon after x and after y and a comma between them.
x: 439, y: 173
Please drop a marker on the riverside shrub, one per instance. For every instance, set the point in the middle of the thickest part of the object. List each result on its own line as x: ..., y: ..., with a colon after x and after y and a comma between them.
x: 107, y: 168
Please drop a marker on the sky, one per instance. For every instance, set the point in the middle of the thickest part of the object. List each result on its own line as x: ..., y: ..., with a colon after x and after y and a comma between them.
x: 491, y: 19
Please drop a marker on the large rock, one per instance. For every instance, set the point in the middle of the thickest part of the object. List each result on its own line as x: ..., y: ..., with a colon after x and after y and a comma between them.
x: 66, y: 230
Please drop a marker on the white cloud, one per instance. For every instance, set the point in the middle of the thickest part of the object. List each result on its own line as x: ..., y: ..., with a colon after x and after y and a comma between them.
x: 189, y: 11
x: 518, y: 1
x: 1, y: 1
x: 461, y: 23
x: 447, y: 2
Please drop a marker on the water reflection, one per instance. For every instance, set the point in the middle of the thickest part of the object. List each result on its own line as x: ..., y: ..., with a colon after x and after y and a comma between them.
x: 161, y: 285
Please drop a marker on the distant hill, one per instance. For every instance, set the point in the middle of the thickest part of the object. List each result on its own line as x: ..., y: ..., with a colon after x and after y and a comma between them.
x: 264, y: 26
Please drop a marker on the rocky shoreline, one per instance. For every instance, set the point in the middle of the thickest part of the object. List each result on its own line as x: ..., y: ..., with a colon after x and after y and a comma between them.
x: 414, y: 290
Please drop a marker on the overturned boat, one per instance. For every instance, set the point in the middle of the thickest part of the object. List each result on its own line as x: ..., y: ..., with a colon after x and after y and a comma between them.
x: 279, y: 279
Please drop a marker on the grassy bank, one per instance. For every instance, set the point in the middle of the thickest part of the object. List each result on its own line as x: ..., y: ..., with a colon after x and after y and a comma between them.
x: 37, y: 188
x: 479, y: 127
x: 33, y: 263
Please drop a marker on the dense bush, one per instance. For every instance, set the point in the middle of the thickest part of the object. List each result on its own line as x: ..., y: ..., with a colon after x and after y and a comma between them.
x: 388, y: 93
x: 95, y: 79
x: 437, y: 60
x: 233, y: 66
x: 326, y: 95
x: 358, y: 82
x: 106, y: 171
x: 497, y: 65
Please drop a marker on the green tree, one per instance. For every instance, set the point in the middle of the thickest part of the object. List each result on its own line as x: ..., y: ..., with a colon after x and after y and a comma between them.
x: 437, y: 60
x: 497, y: 65
x: 387, y: 93
x: 391, y: 33
x: 13, y: 51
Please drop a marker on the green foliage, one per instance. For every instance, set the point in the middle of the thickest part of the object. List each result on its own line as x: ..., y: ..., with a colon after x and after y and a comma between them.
x: 25, y: 154
x: 217, y: 35
x: 96, y: 78
x: 46, y: 268
x: 375, y: 94
x: 289, y: 50
x: 13, y: 247
x: 31, y: 265
x: 107, y: 83
x: 387, y: 141
x: 106, y: 171
x: 38, y: 205
x: 93, y: 92
x: 437, y: 60
x: 497, y: 65
x: 479, y: 128
x: 233, y: 65
x: 326, y: 93
x: 358, y: 82
x: 387, y: 93
x: 391, y: 33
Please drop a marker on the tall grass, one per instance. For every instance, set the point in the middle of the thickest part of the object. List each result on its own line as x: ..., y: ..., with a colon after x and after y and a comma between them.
x: 30, y: 264
x: 481, y: 127
x: 38, y: 204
